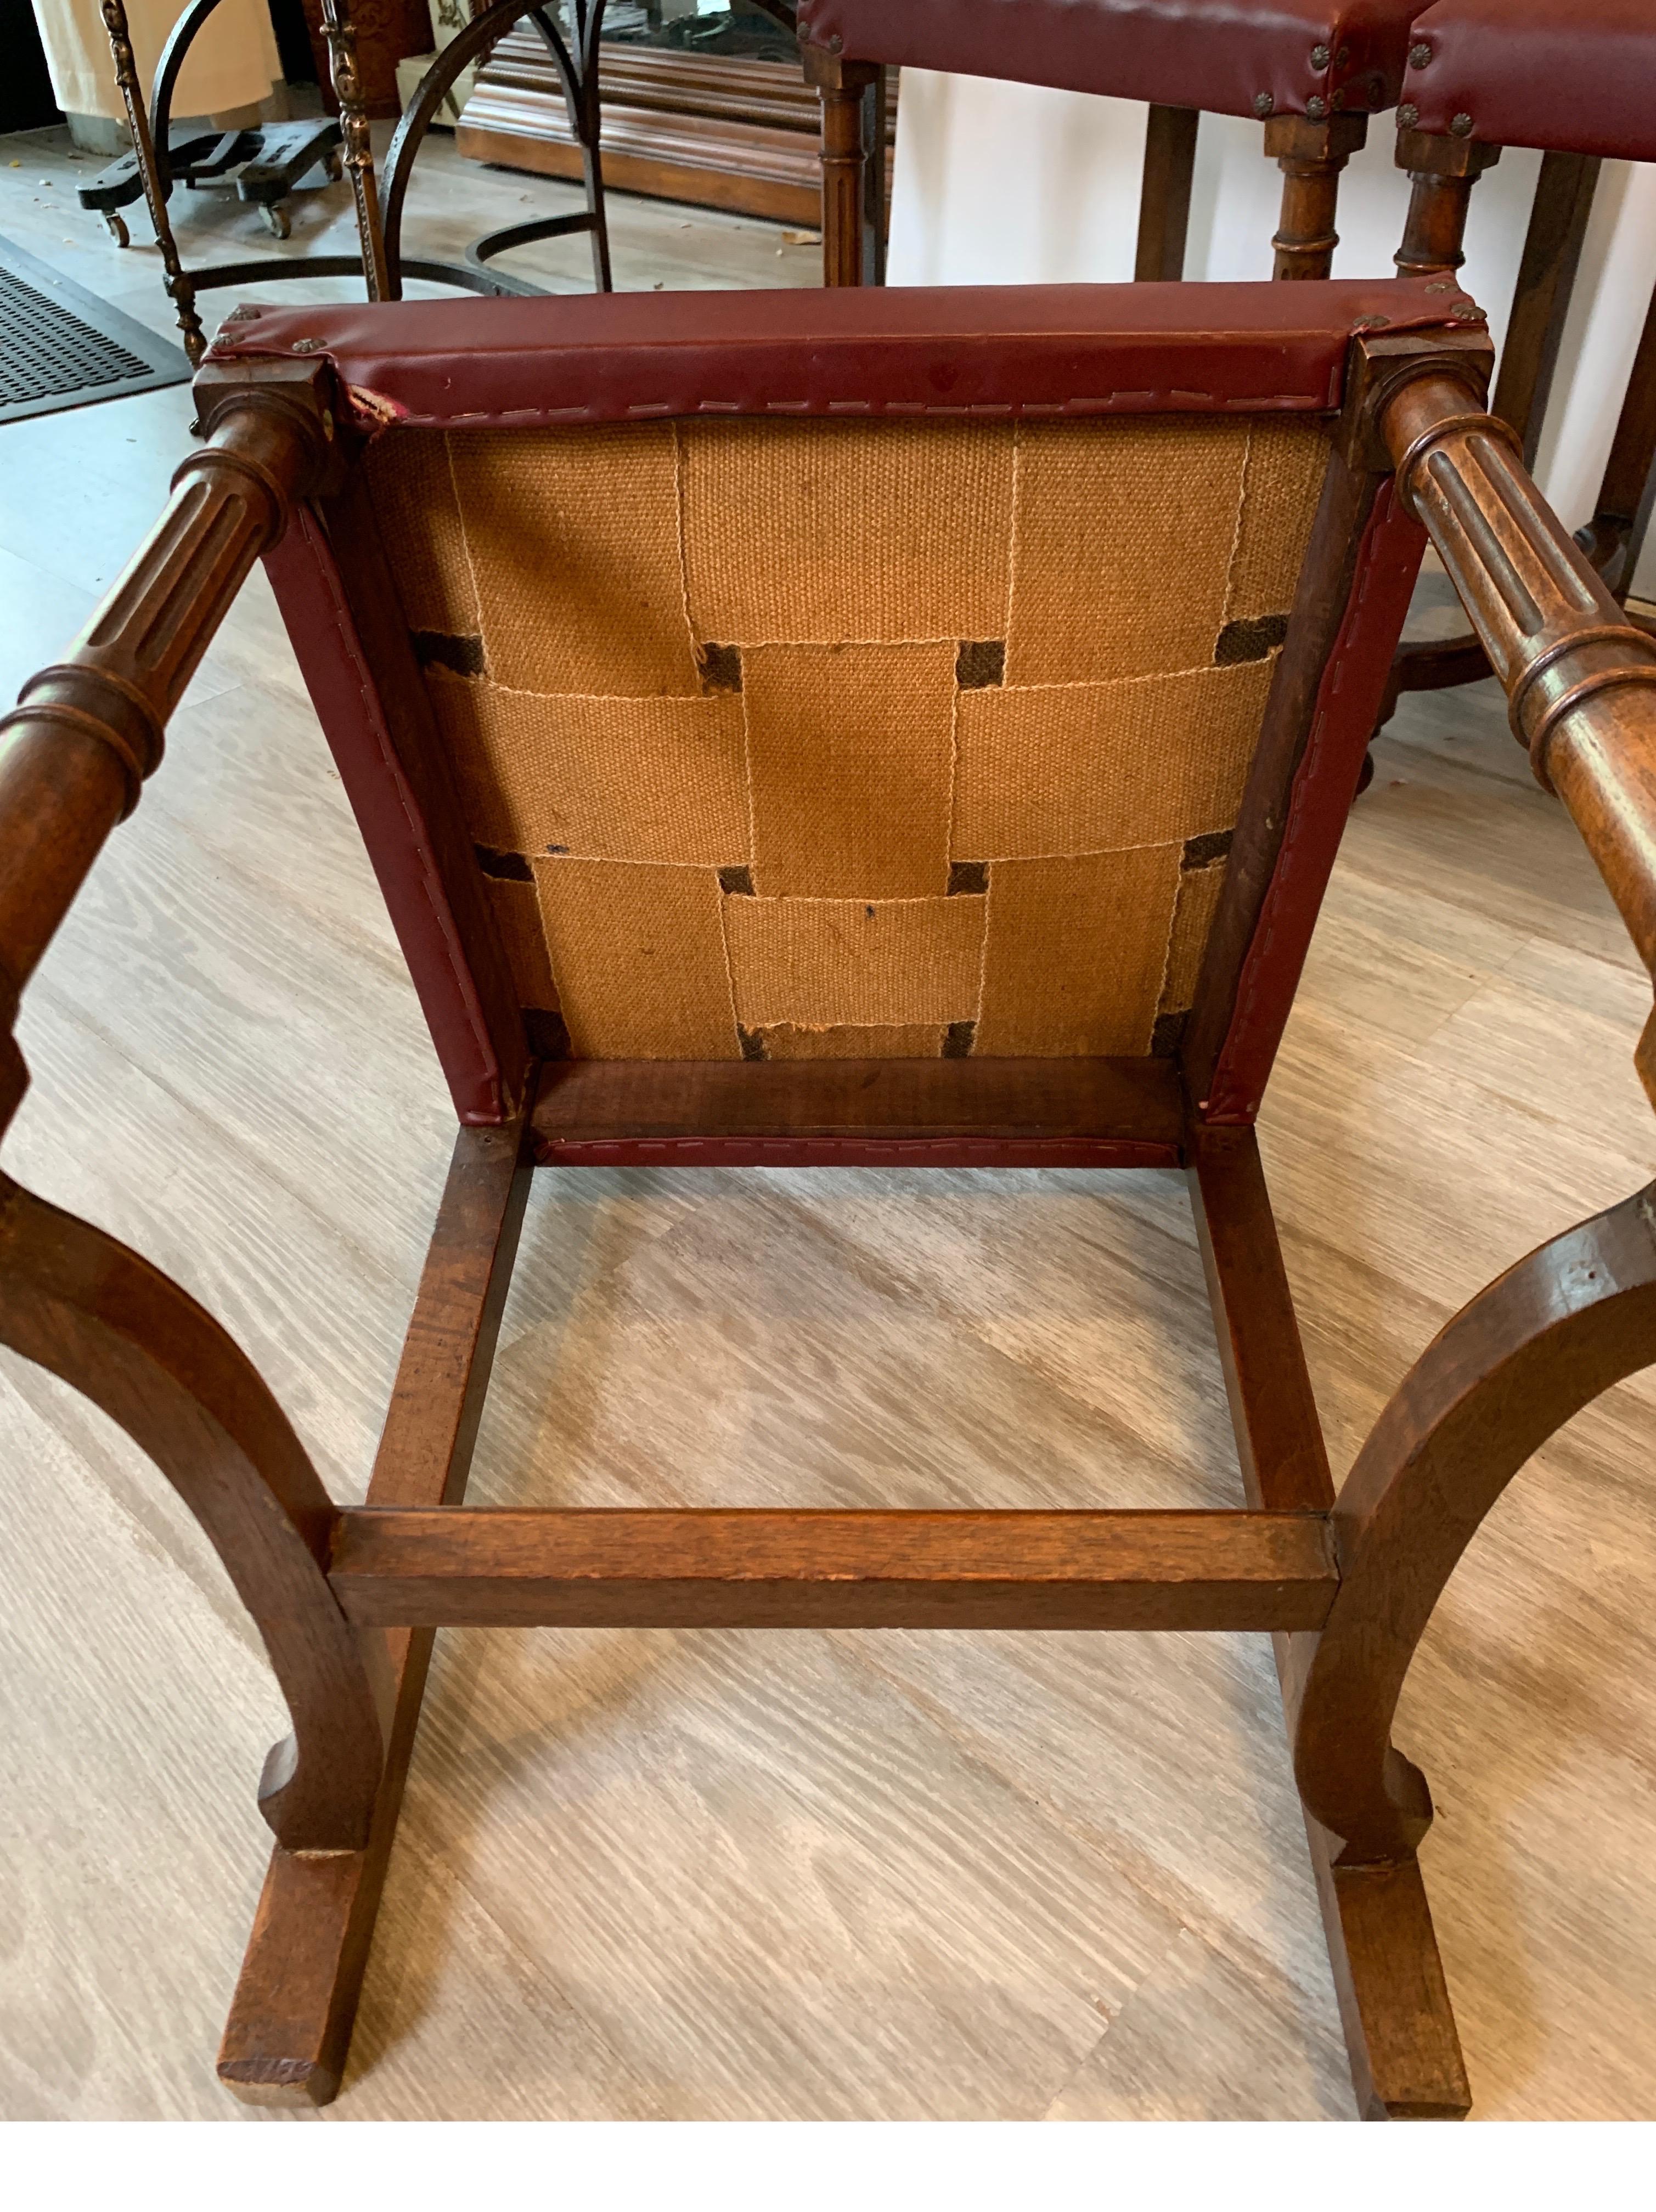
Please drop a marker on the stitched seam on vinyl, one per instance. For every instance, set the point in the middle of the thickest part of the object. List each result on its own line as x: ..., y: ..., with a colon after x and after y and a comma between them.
x: 1307, y: 400
x: 435, y: 898
x: 1233, y: 1093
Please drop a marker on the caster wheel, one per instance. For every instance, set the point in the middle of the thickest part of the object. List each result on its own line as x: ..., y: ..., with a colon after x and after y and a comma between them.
x: 116, y: 226
x: 277, y: 221
x: 334, y: 169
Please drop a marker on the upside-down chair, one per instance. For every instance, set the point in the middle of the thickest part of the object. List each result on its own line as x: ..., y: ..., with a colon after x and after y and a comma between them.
x: 843, y: 727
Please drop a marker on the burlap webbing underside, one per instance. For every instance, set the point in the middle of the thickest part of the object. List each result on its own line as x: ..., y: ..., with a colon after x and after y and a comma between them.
x: 798, y: 739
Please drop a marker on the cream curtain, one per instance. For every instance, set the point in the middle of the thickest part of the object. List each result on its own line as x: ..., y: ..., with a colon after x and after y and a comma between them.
x: 233, y: 63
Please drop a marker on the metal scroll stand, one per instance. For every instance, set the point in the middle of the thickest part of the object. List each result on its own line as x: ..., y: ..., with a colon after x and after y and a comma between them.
x: 265, y: 173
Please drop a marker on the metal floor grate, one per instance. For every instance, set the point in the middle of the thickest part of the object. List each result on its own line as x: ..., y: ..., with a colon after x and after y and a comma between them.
x: 63, y: 347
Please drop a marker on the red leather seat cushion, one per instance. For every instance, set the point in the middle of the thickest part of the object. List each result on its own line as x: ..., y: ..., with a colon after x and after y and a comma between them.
x: 1067, y: 348
x: 1579, y: 77
x: 1229, y: 55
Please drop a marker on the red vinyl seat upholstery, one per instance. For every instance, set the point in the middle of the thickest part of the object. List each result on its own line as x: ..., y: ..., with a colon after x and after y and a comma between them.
x: 1260, y: 58
x: 1579, y: 79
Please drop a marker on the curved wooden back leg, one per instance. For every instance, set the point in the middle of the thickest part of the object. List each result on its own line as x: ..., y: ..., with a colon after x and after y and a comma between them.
x: 1579, y: 1313
x: 1511, y: 1368
x: 81, y: 1305
x: 79, y: 744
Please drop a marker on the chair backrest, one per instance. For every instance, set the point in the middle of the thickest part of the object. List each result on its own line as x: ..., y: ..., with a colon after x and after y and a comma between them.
x: 845, y: 676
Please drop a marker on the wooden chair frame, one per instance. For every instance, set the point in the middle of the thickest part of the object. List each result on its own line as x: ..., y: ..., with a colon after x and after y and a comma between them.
x: 1442, y: 171
x: 348, y: 1601
x: 1311, y: 153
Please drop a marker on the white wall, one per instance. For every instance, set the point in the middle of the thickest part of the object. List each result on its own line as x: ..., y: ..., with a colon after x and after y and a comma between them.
x: 1014, y: 184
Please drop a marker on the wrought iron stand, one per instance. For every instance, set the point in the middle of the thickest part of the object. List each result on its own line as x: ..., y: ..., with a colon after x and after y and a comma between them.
x: 265, y: 173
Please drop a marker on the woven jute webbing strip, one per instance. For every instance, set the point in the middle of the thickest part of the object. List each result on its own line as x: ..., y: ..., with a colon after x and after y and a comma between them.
x: 852, y: 738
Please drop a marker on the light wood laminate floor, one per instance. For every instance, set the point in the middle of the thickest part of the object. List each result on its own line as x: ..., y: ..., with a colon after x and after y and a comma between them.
x: 790, y: 1876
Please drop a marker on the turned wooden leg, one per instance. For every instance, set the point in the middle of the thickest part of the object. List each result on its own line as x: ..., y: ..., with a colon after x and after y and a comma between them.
x: 1165, y: 196
x: 842, y: 86
x: 1441, y: 175
x: 1311, y: 154
x: 295, y: 2005
x: 1394, y: 2002
x: 1442, y: 172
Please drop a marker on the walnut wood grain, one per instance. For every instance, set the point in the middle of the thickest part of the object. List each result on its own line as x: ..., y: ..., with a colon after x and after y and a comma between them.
x: 87, y: 731
x: 1580, y: 680
x: 1444, y: 169
x: 1074, y: 1112
x: 1310, y: 155
x: 841, y: 85
x: 1541, y: 298
x: 1279, y: 1439
x: 1164, y: 221
x: 756, y: 1569
x: 85, y: 1307
x: 1511, y: 1367
x: 1442, y: 172
x: 1614, y: 538
x: 1400, y: 2034
x: 290, y: 2020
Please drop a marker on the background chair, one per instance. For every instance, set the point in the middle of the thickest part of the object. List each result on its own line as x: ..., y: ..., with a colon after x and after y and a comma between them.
x: 1312, y: 73
x: 1485, y: 74
x: 999, y: 843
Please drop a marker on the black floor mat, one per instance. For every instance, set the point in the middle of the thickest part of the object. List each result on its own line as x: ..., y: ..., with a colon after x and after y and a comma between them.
x: 63, y: 347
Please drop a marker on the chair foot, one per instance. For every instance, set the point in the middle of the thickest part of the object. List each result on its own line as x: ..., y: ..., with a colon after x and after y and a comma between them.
x: 295, y: 2001
x: 1400, y: 2035
x: 289, y: 2031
